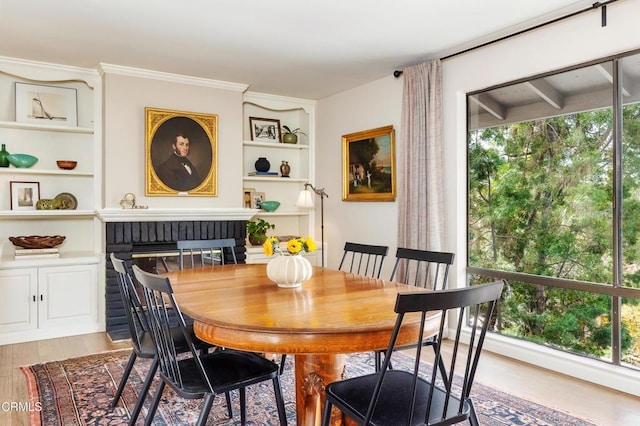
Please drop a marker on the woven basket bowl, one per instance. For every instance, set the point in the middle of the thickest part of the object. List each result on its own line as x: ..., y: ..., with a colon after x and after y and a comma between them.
x: 37, y: 241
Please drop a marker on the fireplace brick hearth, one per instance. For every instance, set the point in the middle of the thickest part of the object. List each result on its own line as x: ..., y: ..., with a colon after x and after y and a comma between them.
x: 129, y: 239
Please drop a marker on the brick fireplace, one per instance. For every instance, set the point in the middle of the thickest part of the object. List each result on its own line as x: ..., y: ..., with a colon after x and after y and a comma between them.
x: 132, y: 239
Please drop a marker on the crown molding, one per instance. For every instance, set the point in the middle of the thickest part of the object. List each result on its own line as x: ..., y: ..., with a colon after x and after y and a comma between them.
x: 37, y: 71
x: 257, y: 97
x: 104, y: 68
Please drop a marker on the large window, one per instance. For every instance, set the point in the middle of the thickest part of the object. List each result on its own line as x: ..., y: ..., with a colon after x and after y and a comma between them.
x: 554, y: 206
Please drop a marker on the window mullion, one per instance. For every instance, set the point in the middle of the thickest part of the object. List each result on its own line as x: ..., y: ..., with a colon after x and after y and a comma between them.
x: 618, y: 276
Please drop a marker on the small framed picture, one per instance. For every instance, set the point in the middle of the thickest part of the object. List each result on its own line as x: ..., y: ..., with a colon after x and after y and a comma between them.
x: 256, y: 199
x: 264, y: 129
x: 50, y: 105
x: 24, y: 195
x: 246, y: 198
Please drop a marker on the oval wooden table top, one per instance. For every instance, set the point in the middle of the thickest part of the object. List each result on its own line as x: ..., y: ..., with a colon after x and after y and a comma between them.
x: 237, y: 306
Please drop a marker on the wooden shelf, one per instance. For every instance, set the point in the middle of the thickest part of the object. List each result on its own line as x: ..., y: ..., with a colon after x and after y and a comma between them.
x: 275, y: 145
x: 275, y: 179
x: 46, y: 128
x: 46, y: 214
x: 49, y: 172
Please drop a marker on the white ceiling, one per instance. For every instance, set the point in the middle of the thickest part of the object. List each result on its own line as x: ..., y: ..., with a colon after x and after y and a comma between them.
x: 301, y: 48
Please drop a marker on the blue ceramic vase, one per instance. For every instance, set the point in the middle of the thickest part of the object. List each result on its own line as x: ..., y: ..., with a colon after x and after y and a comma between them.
x: 262, y: 165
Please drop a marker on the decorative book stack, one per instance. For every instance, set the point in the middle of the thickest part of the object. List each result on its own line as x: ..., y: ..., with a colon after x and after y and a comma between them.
x: 263, y: 173
x: 36, y: 253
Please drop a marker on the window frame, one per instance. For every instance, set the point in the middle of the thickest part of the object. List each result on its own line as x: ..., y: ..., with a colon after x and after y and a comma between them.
x: 616, y: 290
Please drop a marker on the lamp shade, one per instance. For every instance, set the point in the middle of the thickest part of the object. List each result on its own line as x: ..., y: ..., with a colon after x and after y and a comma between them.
x: 305, y: 199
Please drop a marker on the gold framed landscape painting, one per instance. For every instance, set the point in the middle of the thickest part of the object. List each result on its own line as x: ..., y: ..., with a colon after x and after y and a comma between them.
x: 368, y: 165
x: 181, y: 153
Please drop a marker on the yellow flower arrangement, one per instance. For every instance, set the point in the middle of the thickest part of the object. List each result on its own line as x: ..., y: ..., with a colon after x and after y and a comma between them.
x: 294, y: 246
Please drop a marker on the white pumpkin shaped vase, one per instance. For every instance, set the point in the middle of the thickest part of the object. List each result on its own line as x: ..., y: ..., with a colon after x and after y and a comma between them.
x: 289, y: 271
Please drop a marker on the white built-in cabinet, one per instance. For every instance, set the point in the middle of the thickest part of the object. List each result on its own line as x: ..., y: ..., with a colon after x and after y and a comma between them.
x: 294, y: 113
x: 46, y: 302
x: 66, y: 288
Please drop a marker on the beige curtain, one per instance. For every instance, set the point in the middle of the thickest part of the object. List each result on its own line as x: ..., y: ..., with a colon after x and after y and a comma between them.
x: 420, y: 166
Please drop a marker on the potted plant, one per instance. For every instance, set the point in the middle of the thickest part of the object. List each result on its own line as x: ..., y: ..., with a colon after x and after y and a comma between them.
x: 257, y: 231
x: 291, y: 136
x: 289, y: 269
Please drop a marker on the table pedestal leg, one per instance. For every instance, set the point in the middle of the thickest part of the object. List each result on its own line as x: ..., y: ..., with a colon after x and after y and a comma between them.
x: 313, y: 372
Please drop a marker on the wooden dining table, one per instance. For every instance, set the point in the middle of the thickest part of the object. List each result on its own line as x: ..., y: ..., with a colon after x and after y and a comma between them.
x: 332, y: 314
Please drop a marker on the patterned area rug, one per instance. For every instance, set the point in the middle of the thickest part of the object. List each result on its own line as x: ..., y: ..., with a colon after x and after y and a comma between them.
x: 78, y: 391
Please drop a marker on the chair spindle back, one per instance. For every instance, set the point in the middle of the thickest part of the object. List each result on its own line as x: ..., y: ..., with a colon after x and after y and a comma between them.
x: 422, y: 268
x: 363, y: 259
x: 207, y: 249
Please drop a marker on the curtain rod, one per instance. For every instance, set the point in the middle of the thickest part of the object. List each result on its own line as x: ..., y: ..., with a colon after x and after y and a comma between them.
x: 603, y: 5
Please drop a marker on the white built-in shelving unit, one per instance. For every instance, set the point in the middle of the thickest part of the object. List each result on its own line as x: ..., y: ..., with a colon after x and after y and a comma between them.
x: 294, y: 113
x: 51, y: 297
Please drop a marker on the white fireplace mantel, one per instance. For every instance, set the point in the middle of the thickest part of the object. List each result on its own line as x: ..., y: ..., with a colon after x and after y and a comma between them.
x: 171, y: 214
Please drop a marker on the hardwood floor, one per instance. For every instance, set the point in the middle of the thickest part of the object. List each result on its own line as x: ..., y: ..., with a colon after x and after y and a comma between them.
x: 581, y: 399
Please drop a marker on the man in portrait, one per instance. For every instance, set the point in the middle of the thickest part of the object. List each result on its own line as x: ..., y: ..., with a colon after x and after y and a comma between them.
x: 177, y: 172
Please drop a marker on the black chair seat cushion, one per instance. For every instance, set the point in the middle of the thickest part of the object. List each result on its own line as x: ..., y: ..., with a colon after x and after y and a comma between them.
x: 355, y: 395
x: 227, y: 370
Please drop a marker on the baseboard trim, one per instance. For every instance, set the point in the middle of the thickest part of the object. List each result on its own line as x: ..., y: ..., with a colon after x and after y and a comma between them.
x: 622, y: 379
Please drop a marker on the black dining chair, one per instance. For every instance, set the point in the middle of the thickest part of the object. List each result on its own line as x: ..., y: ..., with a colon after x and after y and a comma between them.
x: 141, y: 338
x: 363, y: 259
x: 359, y: 259
x: 421, y: 268
x: 218, y: 251
x: 415, y: 396
x: 141, y: 342
x: 199, y: 376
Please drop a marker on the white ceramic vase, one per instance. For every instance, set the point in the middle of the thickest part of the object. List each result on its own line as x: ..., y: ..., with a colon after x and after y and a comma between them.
x: 289, y: 271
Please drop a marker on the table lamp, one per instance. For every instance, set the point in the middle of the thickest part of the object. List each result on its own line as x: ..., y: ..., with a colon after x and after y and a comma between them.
x: 305, y: 200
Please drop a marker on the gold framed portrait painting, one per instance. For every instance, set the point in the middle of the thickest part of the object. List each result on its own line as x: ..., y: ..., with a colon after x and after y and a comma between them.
x: 181, y: 153
x: 368, y: 165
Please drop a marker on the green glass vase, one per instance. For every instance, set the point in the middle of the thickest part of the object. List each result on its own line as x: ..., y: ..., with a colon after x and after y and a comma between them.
x: 4, y: 161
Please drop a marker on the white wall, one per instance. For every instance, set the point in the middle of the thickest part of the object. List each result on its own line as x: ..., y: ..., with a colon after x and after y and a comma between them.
x: 125, y: 98
x: 365, y: 107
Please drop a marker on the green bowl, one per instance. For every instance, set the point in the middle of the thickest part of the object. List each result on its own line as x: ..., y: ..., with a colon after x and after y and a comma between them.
x: 269, y: 206
x: 22, y: 160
